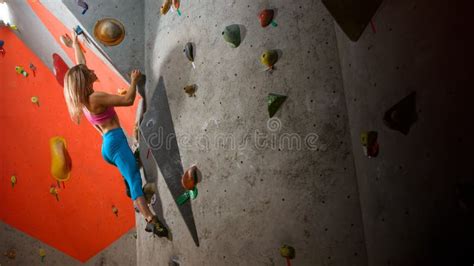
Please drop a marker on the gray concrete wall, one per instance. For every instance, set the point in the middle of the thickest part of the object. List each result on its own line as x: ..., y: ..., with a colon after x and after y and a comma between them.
x: 252, y: 200
x: 121, y: 252
x: 410, y: 194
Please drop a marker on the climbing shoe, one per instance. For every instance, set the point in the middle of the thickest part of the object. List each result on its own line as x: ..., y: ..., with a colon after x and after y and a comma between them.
x: 156, y: 227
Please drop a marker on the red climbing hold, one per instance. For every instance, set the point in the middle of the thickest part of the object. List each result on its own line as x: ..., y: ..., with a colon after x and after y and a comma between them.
x: 266, y: 17
x: 60, y: 68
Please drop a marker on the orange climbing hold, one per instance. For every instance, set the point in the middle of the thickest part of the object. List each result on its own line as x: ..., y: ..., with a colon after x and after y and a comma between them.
x: 165, y: 7
x: 60, y: 160
x: 190, y: 178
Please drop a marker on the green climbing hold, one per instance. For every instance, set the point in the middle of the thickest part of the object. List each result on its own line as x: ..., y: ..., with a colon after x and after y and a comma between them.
x: 193, y: 193
x: 269, y: 58
x: 183, y: 198
x: 274, y: 102
x: 231, y: 35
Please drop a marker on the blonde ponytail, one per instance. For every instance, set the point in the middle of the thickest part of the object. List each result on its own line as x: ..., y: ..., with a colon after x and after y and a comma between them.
x: 77, y: 88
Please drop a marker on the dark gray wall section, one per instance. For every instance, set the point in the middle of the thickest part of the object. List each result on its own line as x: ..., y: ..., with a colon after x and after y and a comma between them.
x: 413, y: 210
x: 34, y: 34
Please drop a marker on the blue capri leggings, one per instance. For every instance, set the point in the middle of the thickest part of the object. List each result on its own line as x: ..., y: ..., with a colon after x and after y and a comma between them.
x: 116, y: 151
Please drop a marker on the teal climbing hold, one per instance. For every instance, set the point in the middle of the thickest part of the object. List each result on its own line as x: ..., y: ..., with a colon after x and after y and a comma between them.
x: 231, y: 35
x: 193, y: 193
x: 274, y: 102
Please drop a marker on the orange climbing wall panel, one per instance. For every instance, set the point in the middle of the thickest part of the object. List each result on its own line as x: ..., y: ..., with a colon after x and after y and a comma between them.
x: 81, y: 223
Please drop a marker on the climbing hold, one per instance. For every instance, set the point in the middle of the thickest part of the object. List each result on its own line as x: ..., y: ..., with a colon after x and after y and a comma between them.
x: 231, y: 35
x: 60, y: 160
x: 60, y: 69
x: 12, y: 26
x: 35, y: 100
x: 190, y: 178
x: 189, y: 51
x: 121, y: 91
x: 11, y: 253
x: 150, y: 123
x: 33, y: 69
x: 191, y: 90
x: 287, y: 252
x: 183, y: 198
x: 269, y: 58
x: 42, y: 254
x: 176, y: 5
x: 78, y: 30
x: 109, y: 31
x: 53, y: 190
x: 20, y: 70
x: 66, y: 40
x: 2, y: 50
x: 369, y: 143
x: 114, y: 210
x: 402, y: 115
x: 189, y: 181
x: 174, y: 261
x: 266, y: 18
x: 13, y: 180
x: 165, y: 7
x: 193, y: 193
x: 84, y: 5
x: 274, y: 102
x: 190, y: 194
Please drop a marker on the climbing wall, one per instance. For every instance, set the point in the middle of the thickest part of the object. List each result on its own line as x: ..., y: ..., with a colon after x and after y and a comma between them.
x: 258, y: 192
x: 126, y: 56
x: 416, y: 195
x: 71, y: 222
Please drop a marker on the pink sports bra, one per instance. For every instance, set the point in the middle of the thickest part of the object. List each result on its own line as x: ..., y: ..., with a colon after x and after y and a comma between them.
x: 98, y: 119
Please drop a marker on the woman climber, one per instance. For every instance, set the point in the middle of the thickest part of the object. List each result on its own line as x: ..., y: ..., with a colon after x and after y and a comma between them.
x: 98, y: 108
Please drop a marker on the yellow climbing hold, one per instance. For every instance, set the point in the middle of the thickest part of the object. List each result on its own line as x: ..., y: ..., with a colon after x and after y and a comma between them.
x: 60, y: 160
x: 115, y: 210
x: 35, y: 100
x: 13, y: 180
x: 269, y: 58
x: 42, y: 254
